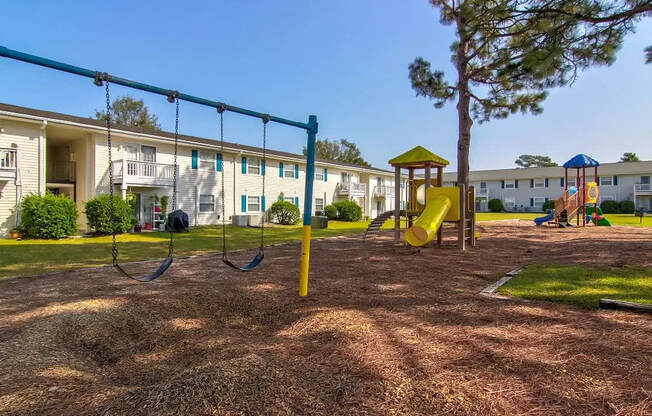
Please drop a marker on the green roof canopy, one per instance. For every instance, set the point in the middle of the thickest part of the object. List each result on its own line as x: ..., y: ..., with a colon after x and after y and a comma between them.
x: 417, y: 158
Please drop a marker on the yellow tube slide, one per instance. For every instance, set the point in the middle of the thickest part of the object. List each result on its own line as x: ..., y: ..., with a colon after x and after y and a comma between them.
x: 425, y: 227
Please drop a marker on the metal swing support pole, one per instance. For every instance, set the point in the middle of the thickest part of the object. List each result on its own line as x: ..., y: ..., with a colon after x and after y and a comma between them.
x: 311, y: 127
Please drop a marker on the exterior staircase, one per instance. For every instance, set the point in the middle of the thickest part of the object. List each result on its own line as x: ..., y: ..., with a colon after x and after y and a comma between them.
x: 376, y: 223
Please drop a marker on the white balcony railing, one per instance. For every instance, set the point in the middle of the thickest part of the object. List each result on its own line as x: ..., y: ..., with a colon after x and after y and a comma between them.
x: 8, y: 163
x: 381, y: 191
x: 642, y: 188
x: 136, y: 172
x: 481, y: 192
x: 351, y: 188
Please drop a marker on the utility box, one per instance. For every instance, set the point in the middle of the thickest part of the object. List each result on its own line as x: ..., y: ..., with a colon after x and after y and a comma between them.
x: 240, y: 220
x: 255, y: 220
x: 319, y: 222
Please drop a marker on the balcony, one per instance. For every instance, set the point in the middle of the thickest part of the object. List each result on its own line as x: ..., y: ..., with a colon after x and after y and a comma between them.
x: 351, y: 189
x: 8, y: 163
x: 481, y: 192
x: 642, y: 189
x: 61, y: 172
x: 135, y: 172
x: 381, y: 191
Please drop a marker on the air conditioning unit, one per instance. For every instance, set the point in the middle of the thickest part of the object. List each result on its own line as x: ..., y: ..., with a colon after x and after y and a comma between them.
x: 255, y: 220
x: 240, y: 220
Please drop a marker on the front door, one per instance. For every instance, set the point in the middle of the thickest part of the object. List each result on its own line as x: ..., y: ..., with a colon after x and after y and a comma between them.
x: 149, y: 157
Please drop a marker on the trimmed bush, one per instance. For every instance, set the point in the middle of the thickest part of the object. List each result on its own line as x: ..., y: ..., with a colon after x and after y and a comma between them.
x: 627, y: 207
x: 549, y: 204
x: 98, y: 214
x: 348, y: 211
x: 331, y: 212
x: 286, y: 213
x: 496, y: 205
x: 48, y: 216
x: 609, y: 207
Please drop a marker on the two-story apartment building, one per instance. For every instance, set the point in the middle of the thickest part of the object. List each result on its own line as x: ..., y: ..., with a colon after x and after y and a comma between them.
x: 526, y: 189
x: 45, y: 151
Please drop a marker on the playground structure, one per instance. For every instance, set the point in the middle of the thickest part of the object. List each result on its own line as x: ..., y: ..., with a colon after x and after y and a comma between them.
x: 428, y: 203
x: 576, y: 200
x: 104, y: 79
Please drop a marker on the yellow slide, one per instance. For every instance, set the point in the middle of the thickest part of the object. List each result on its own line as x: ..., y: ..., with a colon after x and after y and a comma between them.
x: 441, y: 204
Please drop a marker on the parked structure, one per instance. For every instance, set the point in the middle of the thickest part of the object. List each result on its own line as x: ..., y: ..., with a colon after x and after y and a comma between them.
x: 526, y: 189
x: 42, y: 150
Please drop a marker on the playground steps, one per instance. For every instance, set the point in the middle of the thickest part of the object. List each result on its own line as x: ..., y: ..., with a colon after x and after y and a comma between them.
x: 377, y: 223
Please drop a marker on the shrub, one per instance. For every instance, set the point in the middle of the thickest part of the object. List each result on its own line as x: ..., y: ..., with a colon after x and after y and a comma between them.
x: 48, y: 216
x: 549, y: 204
x: 348, y: 211
x: 609, y: 207
x: 331, y: 212
x: 285, y: 213
x: 496, y: 205
x: 98, y: 214
x: 627, y: 207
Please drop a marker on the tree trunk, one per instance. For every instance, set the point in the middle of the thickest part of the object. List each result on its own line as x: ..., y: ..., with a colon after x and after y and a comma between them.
x: 463, y: 110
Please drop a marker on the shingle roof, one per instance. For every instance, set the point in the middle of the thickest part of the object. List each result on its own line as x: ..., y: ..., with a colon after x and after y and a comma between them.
x: 166, y: 134
x: 581, y: 161
x: 418, y: 156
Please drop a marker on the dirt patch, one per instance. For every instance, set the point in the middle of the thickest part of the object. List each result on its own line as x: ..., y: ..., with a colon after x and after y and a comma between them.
x: 386, y: 330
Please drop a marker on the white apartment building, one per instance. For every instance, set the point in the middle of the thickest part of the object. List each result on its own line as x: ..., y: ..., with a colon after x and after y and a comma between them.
x: 45, y: 151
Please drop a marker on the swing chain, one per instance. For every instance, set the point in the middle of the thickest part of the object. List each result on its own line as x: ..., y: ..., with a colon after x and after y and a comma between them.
x: 220, y: 110
x: 174, y: 174
x: 114, y: 244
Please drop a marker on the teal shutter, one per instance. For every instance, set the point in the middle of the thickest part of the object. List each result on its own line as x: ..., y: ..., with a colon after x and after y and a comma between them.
x: 280, y: 169
x: 219, y: 162
x: 547, y: 182
x: 244, y: 165
x: 195, y: 156
x: 262, y: 203
x: 561, y: 182
x: 262, y: 167
x: 325, y: 174
x: 516, y: 183
x: 296, y: 201
x: 502, y: 184
x: 244, y: 203
x: 615, y: 180
x: 531, y: 183
x: 296, y: 173
x: 531, y: 202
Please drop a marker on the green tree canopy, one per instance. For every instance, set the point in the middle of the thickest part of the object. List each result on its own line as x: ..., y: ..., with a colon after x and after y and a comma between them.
x: 534, y: 161
x: 507, y: 53
x: 129, y: 111
x: 342, y: 151
x: 629, y: 157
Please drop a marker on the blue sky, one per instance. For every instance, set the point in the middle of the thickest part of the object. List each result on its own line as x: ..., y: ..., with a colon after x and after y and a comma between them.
x: 345, y: 61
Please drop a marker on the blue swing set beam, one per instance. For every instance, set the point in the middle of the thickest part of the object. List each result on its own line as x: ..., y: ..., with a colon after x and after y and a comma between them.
x: 311, y: 128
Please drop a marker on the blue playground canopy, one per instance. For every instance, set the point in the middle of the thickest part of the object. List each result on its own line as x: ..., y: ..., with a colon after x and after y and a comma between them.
x: 581, y: 161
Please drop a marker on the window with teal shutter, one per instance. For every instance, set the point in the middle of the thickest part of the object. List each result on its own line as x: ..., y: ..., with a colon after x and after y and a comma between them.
x: 296, y: 201
x: 219, y: 162
x: 262, y: 203
x: 280, y: 169
x: 325, y: 174
x: 195, y: 156
x: 244, y: 203
x: 244, y: 165
x: 296, y: 174
x: 615, y: 180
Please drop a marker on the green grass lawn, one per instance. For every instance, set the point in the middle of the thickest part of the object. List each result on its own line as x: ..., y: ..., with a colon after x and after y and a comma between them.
x: 29, y: 257
x: 583, y: 286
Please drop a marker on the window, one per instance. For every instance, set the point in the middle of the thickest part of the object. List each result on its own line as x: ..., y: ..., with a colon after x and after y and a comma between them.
x: 207, y: 160
x: 539, y: 183
x: 509, y: 203
x: 253, y: 166
x: 538, y: 201
x: 606, y: 180
x: 510, y: 184
x: 130, y: 152
x: 571, y: 182
x: 253, y: 203
x: 319, y: 204
x: 206, y: 203
x: 483, y: 185
x: 319, y: 174
x: 288, y: 170
x: 645, y: 180
x: 149, y: 153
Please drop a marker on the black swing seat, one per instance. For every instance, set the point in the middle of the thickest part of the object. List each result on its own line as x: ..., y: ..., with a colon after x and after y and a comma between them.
x: 249, y: 267
x: 162, y: 268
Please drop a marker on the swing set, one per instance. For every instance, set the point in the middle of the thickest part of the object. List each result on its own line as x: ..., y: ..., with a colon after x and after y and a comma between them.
x: 105, y: 79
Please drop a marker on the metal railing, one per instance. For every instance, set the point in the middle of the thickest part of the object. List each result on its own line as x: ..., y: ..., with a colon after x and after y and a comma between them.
x: 61, y: 171
x: 350, y: 188
x: 642, y: 187
x: 383, y: 191
x: 7, y: 159
x: 137, y: 171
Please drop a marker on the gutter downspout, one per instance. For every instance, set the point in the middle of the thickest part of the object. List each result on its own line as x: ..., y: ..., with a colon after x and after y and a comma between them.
x: 41, y: 158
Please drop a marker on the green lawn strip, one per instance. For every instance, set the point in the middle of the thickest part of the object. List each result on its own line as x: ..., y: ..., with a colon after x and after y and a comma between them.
x: 581, y: 285
x: 30, y: 257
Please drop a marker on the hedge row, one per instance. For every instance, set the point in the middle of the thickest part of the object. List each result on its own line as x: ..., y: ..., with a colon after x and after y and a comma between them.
x: 343, y: 211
